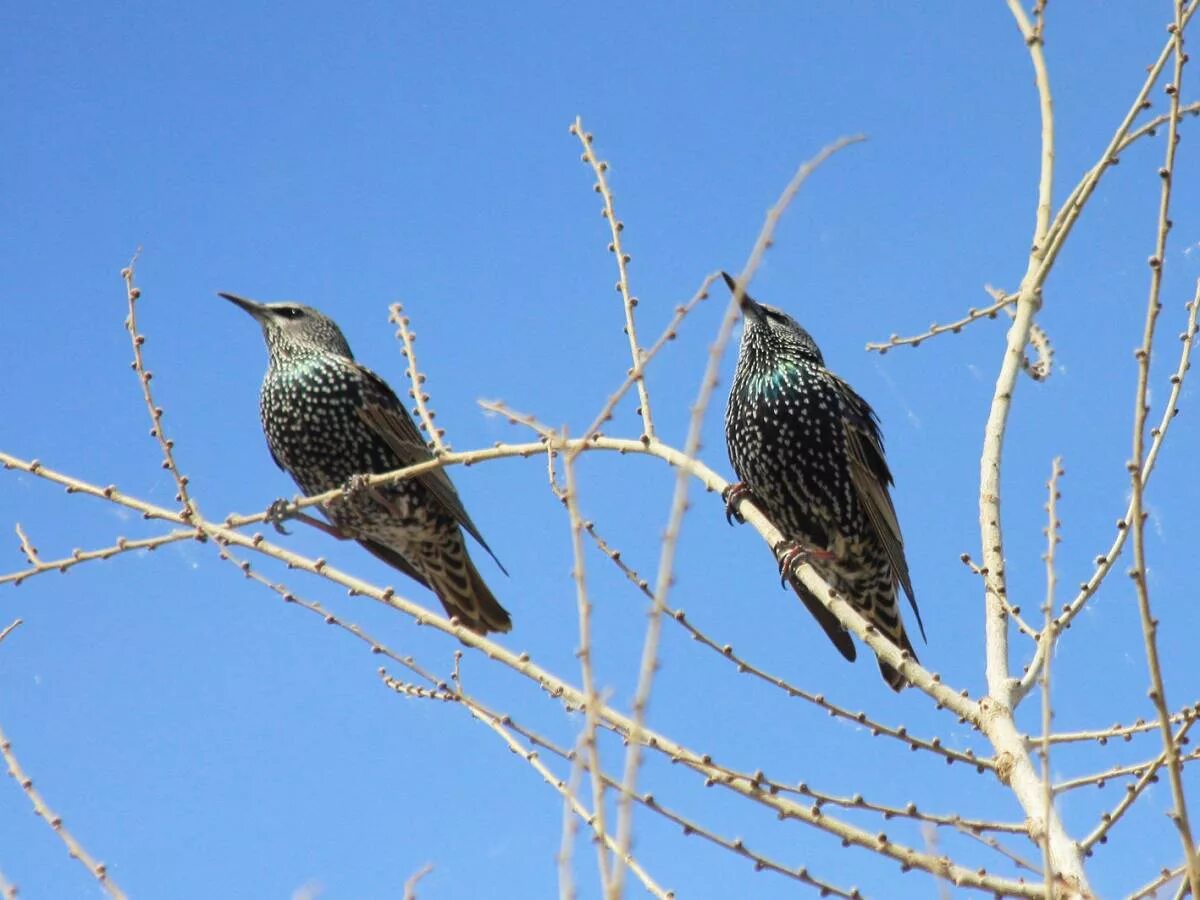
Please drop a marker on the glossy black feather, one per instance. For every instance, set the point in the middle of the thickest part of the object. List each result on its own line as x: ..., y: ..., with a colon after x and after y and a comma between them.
x: 809, y: 449
x: 327, y: 419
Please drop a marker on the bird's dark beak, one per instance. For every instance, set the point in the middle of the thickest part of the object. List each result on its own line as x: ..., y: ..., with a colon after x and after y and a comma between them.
x: 255, y: 309
x: 748, y: 305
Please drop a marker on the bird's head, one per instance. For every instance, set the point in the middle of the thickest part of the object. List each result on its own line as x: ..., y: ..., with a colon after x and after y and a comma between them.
x: 774, y: 330
x: 293, y: 330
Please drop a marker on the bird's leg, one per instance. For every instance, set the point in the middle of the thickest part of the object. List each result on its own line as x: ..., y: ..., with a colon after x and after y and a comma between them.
x: 733, y: 495
x: 277, y: 514
x: 281, y: 510
x: 791, y: 552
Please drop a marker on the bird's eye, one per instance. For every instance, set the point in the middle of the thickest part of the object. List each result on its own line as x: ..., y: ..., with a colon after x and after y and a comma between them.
x: 290, y: 312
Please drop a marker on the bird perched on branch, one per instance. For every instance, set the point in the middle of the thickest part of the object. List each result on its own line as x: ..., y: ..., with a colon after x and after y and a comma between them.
x: 329, y: 421
x: 809, y: 453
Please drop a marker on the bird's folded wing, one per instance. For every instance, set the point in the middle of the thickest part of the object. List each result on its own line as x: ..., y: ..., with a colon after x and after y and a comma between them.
x: 394, y: 559
x: 387, y: 418
x: 827, y: 620
x: 870, y: 476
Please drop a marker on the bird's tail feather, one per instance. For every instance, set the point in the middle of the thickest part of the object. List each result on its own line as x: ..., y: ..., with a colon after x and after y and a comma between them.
x: 895, y: 680
x: 453, y: 577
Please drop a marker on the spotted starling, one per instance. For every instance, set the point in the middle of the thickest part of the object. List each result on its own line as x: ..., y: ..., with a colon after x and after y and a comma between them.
x: 809, y: 453
x: 327, y: 420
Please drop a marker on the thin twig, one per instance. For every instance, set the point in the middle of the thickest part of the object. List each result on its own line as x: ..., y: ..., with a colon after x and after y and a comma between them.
x: 1013, y: 612
x: 1133, y: 770
x: 415, y: 378
x: 123, y: 545
x: 973, y: 315
x: 500, y: 725
x: 634, y: 377
x: 1071, y: 207
x: 584, y: 652
x: 628, y: 301
x: 1118, y: 731
x: 27, y: 548
x: 75, y: 849
x: 570, y: 826
x: 439, y: 691
x: 1141, y: 410
x: 1048, y: 635
x: 745, y: 667
x: 1146, y: 777
x: 1042, y: 365
x: 410, y: 886
x: 1158, y: 434
x: 992, y: 844
x: 1067, y: 216
x: 876, y: 728
x: 1166, y: 876
x: 908, y: 811
x: 165, y: 444
x: 651, y: 802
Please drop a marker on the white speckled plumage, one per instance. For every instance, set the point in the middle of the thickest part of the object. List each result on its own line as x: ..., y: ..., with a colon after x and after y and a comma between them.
x: 809, y: 450
x: 327, y: 419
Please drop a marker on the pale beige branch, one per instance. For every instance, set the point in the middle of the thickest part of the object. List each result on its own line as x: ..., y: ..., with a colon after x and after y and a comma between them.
x: 1147, y: 776
x: 410, y: 886
x: 1141, y: 410
x: 998, y: 722
x: 416, y: 379
x: 1048, y: 635
x: 635, y: 374
x: 584, y: 653
x: 1158, y: 434
x: 75, y: 849
x: 628, y: 301
x: 165, y: 444
x: 123, y: 545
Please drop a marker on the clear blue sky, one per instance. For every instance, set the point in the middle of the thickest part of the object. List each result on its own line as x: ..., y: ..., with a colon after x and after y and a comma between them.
x: 206, y: 740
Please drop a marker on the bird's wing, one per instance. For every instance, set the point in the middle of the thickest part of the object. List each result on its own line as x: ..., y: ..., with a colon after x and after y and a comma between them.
x: 871, y: 477
x: 394, y: 559
x: 828, y: 621
x: 382, y: 411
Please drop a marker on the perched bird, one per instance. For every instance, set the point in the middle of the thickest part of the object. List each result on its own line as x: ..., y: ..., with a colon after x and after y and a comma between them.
x: 327, y: 420
x: 809, y: 453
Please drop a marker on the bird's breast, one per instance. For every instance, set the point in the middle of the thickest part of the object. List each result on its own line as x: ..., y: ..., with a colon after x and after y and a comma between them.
x: 786, y: 440
x: 310, y: 416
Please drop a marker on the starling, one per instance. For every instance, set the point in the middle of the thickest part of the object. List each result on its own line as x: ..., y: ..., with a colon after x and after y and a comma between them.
x: 329, y: 420
x: 808, y: 451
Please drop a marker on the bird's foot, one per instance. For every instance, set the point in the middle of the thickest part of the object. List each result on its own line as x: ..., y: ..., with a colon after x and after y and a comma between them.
x: 791, y: 553
x: 278, y: 513
x: 282, y: 510
x: 734, y: 495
